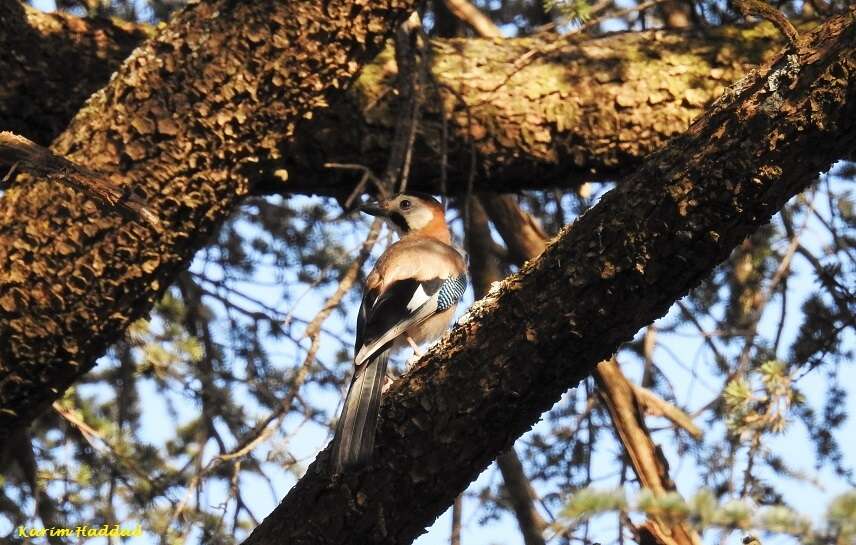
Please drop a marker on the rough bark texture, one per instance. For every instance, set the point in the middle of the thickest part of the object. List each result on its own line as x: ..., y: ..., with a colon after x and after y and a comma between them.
x: 623, y: 399
x: 579, y: 111
x: 50, y: 64
x: 621, y: 265
x: 186, y: 121
x: 485, y: 269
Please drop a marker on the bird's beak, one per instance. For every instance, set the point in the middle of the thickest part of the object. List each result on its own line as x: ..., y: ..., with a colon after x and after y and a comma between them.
x: 373, y: 209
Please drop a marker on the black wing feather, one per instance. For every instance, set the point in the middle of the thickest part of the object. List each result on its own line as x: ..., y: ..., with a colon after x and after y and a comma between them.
x: 380, y: 314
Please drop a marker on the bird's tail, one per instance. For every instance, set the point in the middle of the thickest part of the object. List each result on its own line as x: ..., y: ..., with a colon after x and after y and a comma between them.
x: 355, y: 432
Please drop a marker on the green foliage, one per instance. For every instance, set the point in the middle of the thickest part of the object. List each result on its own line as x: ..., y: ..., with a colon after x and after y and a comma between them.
x: 578, y: 11
x: 704, y: 512
x: 764, y: 407
x: 589, y: 502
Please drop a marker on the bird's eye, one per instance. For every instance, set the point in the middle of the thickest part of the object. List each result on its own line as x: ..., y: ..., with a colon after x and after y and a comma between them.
x: 405, y: 204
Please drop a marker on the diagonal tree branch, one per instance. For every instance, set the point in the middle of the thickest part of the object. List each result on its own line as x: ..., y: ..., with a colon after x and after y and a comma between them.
x: 485, y: 269
x: 646, y: 458
x: 616, y: 269
x: 623, y: 399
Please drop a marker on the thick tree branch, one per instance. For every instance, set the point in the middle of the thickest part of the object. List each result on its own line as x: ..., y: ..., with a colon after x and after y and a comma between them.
x: 619, y: 267
x: 586, y: 109
x: 187, y: 121
x: 583, y: 110
x: 52, y: 62
x: 623, y: 399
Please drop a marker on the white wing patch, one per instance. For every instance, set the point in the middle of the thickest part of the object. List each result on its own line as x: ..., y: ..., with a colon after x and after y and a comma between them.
x: 418, y: 299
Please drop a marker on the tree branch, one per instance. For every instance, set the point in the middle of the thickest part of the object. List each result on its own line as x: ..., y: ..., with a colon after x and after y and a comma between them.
x: 19, y: 152
x: 472, y: 16
x: 584, y: 110
x: 485, y: 269
x: 645, y: 456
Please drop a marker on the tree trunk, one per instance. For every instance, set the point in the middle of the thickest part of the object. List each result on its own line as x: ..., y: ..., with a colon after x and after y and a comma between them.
x: 583, y: 110
x: 619, y: 267
x: 187, y: 121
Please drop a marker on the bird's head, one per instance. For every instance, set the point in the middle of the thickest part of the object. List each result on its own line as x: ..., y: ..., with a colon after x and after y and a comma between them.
x: 411, y: 213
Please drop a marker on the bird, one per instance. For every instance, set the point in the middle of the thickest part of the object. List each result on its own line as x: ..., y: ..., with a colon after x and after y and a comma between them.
x: 409, y: 298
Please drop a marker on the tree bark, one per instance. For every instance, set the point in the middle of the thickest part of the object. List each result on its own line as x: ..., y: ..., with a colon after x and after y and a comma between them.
x: 485, y: 269
x: 624, y: 400
x: 186, y: 122
x: 619, y: 267
x: 576, y: 111
x: 583, y: 110
x: 52, y: 62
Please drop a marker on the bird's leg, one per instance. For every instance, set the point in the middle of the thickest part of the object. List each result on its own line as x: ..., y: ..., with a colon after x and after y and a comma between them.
x: 387, y: 382
x: 417, y: 353
x: 416, y: 350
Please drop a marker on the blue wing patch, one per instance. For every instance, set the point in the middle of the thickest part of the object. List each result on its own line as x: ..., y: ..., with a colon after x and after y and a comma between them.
x: 451, y: 292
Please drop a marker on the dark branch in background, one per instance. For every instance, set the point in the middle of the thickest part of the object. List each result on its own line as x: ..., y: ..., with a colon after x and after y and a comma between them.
x: 25, y: 155
x: 522, y: 498
x: 621, y: 266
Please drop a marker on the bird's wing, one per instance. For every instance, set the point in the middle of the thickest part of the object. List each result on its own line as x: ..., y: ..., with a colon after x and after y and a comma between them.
x: 402, y: 304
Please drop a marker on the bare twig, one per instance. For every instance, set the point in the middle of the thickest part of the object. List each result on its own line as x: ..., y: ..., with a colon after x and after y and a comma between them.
x: 456, y: 521
x: 769, y: 13
x: 40, y: 161
x: 657, y: 406
x: 473, y: 17
x: 409, y: 78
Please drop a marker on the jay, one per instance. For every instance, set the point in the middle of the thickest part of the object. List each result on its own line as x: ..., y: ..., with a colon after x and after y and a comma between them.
x: 409, y: 298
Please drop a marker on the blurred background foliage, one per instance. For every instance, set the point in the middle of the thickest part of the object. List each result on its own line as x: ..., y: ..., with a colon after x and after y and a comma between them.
x: 201, y: 418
